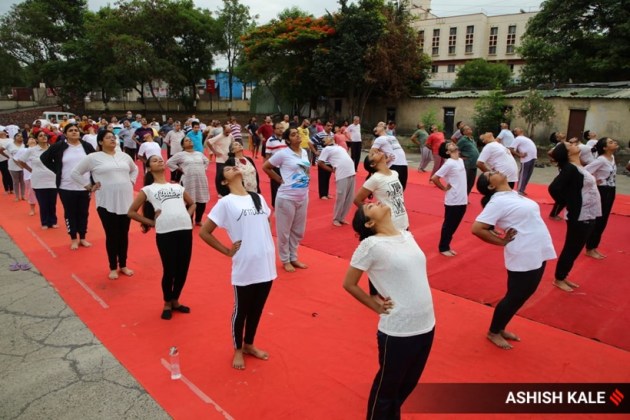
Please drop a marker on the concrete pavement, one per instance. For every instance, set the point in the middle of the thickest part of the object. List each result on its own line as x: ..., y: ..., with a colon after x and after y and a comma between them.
x: 51, y: 365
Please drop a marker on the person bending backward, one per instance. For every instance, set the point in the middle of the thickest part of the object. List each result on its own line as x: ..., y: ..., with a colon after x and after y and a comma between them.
x: 469, y: 153
x: 19, y: 158
x: 114, y: 173
x: 419, y: 137
x: 397, y: 266
x: 527, y: 247
x: 390, y: 145
x: 245, y: 216
x: 247, y: 167
x: 456, y: 198
x: 555, y: 138
x: 434, y: 141
x: 604, y: 169
x: 527, y: 152
x: 495, y: 156
x: 61, y: 158
x: 292, y: 198
x: 577, y: 189
x: 192, y: 165
x: 219, y: 145
x: 342, y: 166
x: 169, y: 209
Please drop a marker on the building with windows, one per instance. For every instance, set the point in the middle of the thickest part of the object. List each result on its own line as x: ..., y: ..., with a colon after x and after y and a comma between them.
x: 454, y: 40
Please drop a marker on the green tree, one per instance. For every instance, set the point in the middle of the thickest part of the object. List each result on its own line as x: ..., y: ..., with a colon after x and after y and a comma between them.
x: 534, y: 109
x: 577, y: 41
x: 33, y: 32
x: 480, y: 74
x: 236, y: 21
x: 490, y: 111
x: 430, y: 118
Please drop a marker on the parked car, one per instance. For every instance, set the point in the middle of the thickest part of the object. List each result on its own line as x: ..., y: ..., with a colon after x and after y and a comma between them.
x: 57, y: 115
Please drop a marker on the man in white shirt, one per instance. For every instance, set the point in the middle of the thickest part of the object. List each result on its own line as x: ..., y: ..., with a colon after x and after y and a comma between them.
x: 173, y: 140
x: 527, y: 152
x: 354, y: 131
x: 220, y: 146
x: 495, y: 156
x: 343, y: 167
x: 505, y: 137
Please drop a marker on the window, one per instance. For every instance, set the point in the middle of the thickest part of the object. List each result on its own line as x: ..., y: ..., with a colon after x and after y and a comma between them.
x: 421, y: 39
x: 470, y: 37
x: 434, y: 69
x: 452, y: 40
x: 492, y: 42
x: 511, y: 39
x: 511, y: 66
x: 435, y: 44
x: 451, y: 68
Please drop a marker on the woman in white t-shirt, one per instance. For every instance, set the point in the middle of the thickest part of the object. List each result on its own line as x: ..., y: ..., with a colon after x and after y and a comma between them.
x: 245, y: 217
x: 527, y: 247
x: 17, y: 175
x: 456, y: 198
x: 114, y: 173
x: 42, y: 181
x: 397, y: 267
x: 19, y: 158
x: 169, y: 209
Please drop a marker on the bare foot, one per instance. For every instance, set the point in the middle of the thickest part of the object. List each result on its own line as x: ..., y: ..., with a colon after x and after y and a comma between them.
x: 127, y: 271
x: 562, y: 285
x: 31, y: 213
x: 336, y: 223
x: 594, y: 254
x: 571, y: 284
x: 298, y: 264
x: 447, y: 253
x: 288, y: 267
x: 55, y: 226
x: 113, y: 275
x: 253, y: 351
x: 74, y: 245
x: 85, y: 243
x: 453, y: 251
x: 238, y: 362
x: 555, y: 218
x: 509, y: 336
x: 499, y: 341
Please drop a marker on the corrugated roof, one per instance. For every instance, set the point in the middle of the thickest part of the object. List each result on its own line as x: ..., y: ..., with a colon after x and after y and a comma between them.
x: 582, y: 92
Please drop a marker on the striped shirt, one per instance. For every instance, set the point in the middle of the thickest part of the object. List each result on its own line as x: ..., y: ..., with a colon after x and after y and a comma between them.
x: 274, y: 145
x: 236, y: 132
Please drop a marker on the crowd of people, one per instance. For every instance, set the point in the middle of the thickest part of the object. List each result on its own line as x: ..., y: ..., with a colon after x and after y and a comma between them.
x: 77, y: 159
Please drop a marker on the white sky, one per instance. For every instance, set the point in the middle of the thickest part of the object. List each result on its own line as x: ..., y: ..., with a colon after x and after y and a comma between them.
x: 268, y: 9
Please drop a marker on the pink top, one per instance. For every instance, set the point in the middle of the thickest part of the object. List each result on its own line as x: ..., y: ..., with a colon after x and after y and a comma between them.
x: 341, y: 140
x: 434, y: 141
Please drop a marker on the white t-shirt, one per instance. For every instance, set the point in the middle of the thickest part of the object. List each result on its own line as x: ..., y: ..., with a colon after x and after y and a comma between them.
x: 174, y: 139
x: 604, y: 171
x: 3, y: 144
x: 454, y: 172
x: 388, y: 190
x: 12, y: 150
x: 91, y: 138
x: 294, y: 171
x: 586, y: 154
x: 384, y: 145
x: 221, y: 146
x: 71, y: 158
x: 169, y: 198
x: 355, y: 132
x: 255, y: 261
x: 117, y: 174
x: 506, y: 137
x: 590, y: 144
x: 498, y: 157
x: 338, y: 159
x: 399, y: 153
x: 397, y: 268
x: 532, y: 244
x: 149, y: 148
x: 525, y: 145
x: 21, y: 156
x: 41, y: 177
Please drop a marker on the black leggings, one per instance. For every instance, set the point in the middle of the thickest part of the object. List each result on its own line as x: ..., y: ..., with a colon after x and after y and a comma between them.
x: 47, y: 199
x: 116, y: 227
x: 402, y: 174
x: 200, y: 208
x: 76, y: 209
x: 607, y: 195
x: 401, y: 362
x: 471, y: 175
x: 249, y: 302
x: 521, y: 285
x: 175, y: 250
x: 355, y: 152
x: 217, y: 180
x: 274, y: 187
x: 323, y: 181
x: 574, y: 241
x: 453, y: 216
x: 7, y: 181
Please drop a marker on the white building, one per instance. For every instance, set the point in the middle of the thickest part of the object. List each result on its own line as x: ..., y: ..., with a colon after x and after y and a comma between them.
x: 454, y: 40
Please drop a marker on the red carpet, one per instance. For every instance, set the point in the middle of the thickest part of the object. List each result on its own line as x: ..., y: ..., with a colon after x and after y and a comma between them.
x: 322, y: 342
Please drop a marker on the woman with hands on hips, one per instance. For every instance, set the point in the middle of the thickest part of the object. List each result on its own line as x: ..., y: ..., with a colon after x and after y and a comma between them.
x: 245, y: 217
x: 396, y: 266
x: 527, y: 246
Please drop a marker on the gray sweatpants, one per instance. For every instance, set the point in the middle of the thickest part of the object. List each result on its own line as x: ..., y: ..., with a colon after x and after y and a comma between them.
x: 343, y: 198
x: 426, y: 157
x: 290, y: 227
x: 527, y: 169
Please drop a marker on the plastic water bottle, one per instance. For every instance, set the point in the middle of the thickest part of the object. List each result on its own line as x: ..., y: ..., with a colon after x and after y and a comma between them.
x: 175, y: 371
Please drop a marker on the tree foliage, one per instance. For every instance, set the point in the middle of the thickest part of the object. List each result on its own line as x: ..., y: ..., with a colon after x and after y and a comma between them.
x: 490, y: 111
x: 577, y: 41
x: 480, y: 74
x: 534, y: 109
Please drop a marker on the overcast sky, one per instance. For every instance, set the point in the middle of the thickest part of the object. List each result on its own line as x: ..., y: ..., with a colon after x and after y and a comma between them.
x: 269, y: 9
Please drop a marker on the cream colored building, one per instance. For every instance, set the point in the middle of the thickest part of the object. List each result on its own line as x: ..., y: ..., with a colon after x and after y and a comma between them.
x: 454, y: 40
